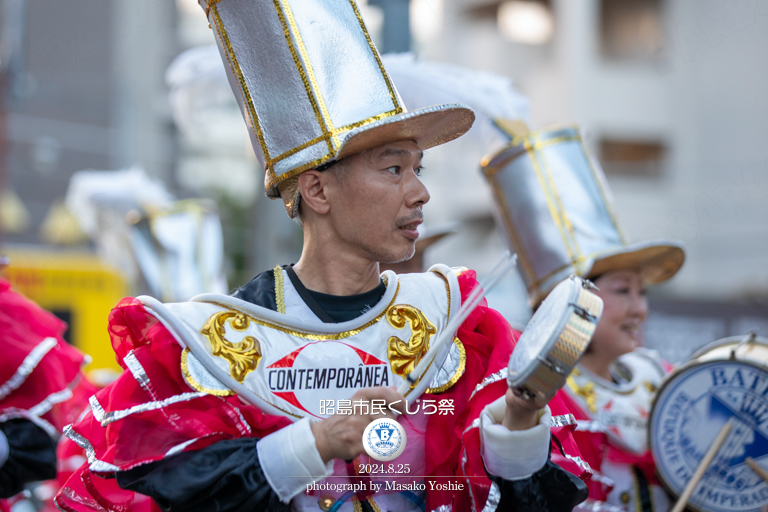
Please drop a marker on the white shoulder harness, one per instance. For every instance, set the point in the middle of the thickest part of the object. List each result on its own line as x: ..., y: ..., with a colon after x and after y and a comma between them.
x: 292, y: 366
x: 620, y: 410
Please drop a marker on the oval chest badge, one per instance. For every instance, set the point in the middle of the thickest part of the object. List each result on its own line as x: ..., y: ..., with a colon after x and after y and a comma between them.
x: 689, y: 412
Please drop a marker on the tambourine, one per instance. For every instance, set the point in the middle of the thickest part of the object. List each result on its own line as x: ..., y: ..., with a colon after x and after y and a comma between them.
x: 555, y: 338
x: 724, y: 382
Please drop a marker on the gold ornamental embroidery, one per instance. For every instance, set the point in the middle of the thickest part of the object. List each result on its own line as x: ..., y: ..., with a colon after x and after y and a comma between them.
x: 279, y: 289
x: 244, y: 356
x: 587, y: 391
x: 404, y: 356
x: 457, y: 374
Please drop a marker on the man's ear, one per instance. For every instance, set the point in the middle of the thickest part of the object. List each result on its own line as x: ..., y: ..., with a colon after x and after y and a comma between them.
x: 313, y: 193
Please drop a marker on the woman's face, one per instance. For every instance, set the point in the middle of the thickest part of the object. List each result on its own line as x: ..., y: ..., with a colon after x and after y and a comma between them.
x: 624, y: 310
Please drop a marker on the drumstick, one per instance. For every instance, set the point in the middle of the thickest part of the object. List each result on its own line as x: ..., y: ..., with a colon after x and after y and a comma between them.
x: 703, y: 465
x: 754, y: 466
x: 503, y: 266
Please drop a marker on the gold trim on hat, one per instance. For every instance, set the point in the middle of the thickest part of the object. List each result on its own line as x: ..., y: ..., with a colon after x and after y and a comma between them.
x: 209, y: 5
x: 549, y: 192
x: 307, y: 75
x: 384, y: 74
x: 386, y: 120
x: 447, y: 292
x: 332, y: 140
x: 269, y: 183
x: 571, y: 244
x: 656, y: 262
x: 330, y: 134
x: 531, y: 144
x: 235, y: 66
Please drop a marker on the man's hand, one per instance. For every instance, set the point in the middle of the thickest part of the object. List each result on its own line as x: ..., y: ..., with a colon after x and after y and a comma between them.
x: 522, y: 414
x: 341, y: 437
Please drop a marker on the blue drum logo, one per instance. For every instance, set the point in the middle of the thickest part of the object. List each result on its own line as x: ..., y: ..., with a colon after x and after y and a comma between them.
x: 384, y: 439
x: 690, y: 411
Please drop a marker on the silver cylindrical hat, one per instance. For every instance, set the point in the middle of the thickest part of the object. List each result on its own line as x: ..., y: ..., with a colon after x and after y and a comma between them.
x: 557, y: 213
x: 312, y: 87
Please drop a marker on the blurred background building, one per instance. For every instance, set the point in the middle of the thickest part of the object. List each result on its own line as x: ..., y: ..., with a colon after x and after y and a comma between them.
x: 670, y: 91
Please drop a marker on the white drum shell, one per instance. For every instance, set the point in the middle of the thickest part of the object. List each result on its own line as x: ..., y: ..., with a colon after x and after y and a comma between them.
x: 555, y: 338
x: 727, y: 378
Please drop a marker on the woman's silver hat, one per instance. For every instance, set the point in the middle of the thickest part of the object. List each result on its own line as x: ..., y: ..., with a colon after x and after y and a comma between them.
x: 557, y: 213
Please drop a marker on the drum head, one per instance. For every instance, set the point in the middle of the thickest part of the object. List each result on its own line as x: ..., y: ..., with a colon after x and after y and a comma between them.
x: 542, y: 331
x: 691, y: 408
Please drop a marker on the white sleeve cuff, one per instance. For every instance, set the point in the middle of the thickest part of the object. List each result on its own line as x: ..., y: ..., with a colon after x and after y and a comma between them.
x: 4, y: 449
x: 513, y: 454
x: 290, y: 460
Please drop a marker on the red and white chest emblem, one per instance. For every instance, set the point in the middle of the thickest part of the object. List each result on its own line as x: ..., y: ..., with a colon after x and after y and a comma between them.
x: 323, y: 370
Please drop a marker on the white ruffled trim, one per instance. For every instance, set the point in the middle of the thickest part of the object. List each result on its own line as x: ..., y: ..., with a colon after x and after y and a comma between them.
x: 582, y: 464
x: 494, y: 497
x: 53, y: 399
x: 563, y: 420
x: 139, y: 374
x: 105, y: 418
x: 94, y: 464
x: 35, y: 413
x: 494, y: 377
x: 13, y: 413
x: 27, y: 366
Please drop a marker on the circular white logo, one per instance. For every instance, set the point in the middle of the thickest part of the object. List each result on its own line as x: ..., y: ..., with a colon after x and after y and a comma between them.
x: 384, y: 439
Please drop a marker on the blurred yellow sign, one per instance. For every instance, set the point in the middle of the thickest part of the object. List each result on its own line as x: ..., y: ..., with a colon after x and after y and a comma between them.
x: 76, y: 286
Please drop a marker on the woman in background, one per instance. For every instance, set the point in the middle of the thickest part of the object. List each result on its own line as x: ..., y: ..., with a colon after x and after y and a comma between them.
x: 611, y: 392
x: 556, y: 210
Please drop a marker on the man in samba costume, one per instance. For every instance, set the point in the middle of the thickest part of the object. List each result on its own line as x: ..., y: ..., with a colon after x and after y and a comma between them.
x: 556, y: 209
x: 258, y: 401
x: 42, y: 389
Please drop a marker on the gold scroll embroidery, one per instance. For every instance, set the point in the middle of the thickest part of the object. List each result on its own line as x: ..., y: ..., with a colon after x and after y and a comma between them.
x: 404, y: 356
x: 587, y: 391
x: 243, y: 356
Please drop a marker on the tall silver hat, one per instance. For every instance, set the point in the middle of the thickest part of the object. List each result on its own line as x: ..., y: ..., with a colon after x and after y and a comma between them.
x: 312, y: 88
x: 557, y: 213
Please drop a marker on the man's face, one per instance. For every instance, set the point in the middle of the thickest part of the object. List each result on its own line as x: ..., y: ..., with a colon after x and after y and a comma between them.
x: 376, y: 202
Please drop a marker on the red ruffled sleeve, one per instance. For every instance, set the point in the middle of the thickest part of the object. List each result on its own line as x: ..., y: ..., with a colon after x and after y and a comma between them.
x: 152, y: 403
x: 38, y: 369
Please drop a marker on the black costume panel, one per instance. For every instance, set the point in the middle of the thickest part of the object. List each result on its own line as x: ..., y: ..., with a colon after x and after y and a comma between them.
x: 225, y: 477
x: 31, y: 456
x: 548, y: 490
x: 260, y: 291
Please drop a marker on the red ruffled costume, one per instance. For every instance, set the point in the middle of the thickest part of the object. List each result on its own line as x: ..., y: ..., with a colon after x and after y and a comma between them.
x: 595, y: 447
x: 149, y: 435
x: 40, y: 377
